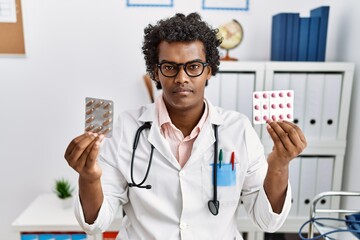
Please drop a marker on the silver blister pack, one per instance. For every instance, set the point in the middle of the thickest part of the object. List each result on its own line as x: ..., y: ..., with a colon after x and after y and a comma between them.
x: 99, y: 116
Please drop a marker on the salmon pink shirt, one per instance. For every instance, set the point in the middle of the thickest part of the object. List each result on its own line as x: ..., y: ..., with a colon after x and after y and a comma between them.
x: 180, y: 145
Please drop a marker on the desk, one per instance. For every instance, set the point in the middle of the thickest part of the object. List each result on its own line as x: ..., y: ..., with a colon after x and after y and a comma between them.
x: 46, y: 214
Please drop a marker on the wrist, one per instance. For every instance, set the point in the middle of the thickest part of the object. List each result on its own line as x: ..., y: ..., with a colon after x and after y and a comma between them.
x: 88, y: 181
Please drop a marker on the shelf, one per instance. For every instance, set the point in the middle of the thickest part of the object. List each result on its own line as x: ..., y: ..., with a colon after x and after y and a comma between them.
x: 238, y: 66
x: 45, y: 213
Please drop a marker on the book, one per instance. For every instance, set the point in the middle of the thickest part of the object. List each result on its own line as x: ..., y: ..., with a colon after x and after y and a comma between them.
x: 323, y: 14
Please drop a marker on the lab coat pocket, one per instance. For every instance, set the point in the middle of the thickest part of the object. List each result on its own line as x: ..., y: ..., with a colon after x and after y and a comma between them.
x: 228, y: 189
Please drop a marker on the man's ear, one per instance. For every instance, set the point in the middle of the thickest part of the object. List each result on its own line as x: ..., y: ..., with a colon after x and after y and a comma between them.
x: 156, y: 74
x: 208, y: 76
x: 157, y: 79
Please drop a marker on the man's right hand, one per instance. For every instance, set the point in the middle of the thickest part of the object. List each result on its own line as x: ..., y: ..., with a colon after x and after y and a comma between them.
x: 81, y: 154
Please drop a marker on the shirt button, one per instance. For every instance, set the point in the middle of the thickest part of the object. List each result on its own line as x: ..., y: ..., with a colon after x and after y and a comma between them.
x: 181, y: 173
x: 182, y: 226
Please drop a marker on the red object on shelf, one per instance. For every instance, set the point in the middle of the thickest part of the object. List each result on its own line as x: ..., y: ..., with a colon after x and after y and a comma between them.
x: 109, y: 235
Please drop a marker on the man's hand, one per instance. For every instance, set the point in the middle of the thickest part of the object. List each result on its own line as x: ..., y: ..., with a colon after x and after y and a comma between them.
x: 81, y: 155
x: 289, y: 142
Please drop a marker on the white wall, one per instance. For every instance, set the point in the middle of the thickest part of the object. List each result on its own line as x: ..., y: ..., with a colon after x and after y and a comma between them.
x: 92, y: 48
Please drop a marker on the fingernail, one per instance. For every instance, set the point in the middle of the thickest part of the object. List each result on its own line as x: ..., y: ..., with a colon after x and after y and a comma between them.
x: 101, y: 136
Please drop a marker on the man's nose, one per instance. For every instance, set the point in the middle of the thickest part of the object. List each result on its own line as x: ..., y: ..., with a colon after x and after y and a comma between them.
x: 182, y: 75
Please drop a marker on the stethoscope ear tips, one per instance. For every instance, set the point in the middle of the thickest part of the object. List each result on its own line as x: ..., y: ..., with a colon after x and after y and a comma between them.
x: 214, y: 207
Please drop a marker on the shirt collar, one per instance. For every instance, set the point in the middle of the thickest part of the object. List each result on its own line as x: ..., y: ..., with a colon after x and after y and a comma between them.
x: 149, y: 113
x: 163, y: 114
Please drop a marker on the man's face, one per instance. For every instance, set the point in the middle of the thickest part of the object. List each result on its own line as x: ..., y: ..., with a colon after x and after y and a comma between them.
x: 182, y: 92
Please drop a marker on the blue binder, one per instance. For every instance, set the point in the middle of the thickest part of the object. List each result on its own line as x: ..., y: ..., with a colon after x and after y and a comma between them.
x: 323, y: 14
x: 78, y: 236
x: 46, y: 236
x: 292, y: 34
x: 289, y: 36
x: 303, y: 39
x: 313, y: 38
x: 278, y: 37
x: 295, y: 33
x: 29, y: 237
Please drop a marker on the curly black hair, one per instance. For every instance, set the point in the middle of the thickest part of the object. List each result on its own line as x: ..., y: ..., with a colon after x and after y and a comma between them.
x: 180, y: 28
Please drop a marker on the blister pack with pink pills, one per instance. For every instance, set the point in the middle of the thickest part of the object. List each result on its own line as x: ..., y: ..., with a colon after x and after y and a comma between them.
x: 99, y: 116
x: 274, y: 105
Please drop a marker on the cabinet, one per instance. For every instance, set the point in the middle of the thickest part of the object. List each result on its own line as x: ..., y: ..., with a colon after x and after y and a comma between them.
x: 322, y: 94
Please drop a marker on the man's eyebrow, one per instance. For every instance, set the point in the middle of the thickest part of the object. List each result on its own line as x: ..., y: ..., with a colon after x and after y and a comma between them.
x: 166, y: 61
x: 193, y: 60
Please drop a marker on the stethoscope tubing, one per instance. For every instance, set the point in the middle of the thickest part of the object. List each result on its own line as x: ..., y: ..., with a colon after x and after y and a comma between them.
x: 146, y: 125
x: 212, y: 204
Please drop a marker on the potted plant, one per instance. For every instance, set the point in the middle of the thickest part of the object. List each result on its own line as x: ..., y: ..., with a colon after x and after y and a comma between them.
x: 64, y: 191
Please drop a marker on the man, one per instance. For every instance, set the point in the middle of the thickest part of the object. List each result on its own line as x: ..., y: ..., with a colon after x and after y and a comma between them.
x: 189, y: 136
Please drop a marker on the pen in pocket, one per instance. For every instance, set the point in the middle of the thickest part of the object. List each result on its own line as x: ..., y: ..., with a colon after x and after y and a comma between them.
x: 232, y: 161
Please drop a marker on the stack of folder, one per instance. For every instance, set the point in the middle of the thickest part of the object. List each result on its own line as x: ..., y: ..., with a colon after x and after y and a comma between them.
x: 53, y: 236
x: 294, y: 38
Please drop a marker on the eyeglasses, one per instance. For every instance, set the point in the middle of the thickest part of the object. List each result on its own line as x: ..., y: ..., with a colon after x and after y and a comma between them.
x: 192, y: 68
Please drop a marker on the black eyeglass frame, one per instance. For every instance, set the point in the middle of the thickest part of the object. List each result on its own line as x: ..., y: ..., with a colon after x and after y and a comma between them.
x: 204, y: 64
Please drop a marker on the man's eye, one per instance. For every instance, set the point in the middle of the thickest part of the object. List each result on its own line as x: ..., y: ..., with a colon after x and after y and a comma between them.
x: 193, y: 66
x: 169, y: 67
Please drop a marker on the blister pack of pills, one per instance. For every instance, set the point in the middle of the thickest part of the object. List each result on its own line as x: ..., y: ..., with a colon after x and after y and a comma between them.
x: 99, y: 116
x: 274, y: 105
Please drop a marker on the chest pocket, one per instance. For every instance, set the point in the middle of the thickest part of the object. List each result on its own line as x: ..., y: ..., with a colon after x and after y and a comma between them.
x: 229, y: 180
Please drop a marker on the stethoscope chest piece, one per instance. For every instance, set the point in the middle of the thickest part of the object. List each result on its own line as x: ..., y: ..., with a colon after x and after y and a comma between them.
x: 214, y: 207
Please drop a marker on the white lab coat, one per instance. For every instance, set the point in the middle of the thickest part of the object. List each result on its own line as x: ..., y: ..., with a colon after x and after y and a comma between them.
x: 176, y: 207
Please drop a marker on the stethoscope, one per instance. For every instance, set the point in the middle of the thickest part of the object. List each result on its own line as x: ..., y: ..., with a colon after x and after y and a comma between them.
x: 212, y: 204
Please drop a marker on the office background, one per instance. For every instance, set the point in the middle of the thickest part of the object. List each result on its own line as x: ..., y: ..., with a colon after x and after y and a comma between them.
x: 76, y: 49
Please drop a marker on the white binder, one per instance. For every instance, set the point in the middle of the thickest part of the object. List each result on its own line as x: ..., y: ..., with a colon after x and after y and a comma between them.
x: 228, y: 87
x: 313, y: 105
x: 298, y: 84
x: 308, y: 179
x: 294, y: 178
x: 245, y: 88
x: 281, y: 81
x: 331, y: 106
x: 212, y: 90
x: 325, y: 168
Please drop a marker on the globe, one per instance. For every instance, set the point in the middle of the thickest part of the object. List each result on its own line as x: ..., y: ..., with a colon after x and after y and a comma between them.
x: 232, y: 34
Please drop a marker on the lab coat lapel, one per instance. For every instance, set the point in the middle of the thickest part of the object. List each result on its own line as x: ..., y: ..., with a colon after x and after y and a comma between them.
x: 206, y: 137
x: 155, y: 137
x: 203, y: 142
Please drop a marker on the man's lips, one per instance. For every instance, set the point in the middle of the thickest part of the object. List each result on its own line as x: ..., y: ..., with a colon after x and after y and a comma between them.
x: 182, y: 90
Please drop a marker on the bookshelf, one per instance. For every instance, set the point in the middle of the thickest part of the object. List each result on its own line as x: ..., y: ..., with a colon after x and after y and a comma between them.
x: 327, y: 147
